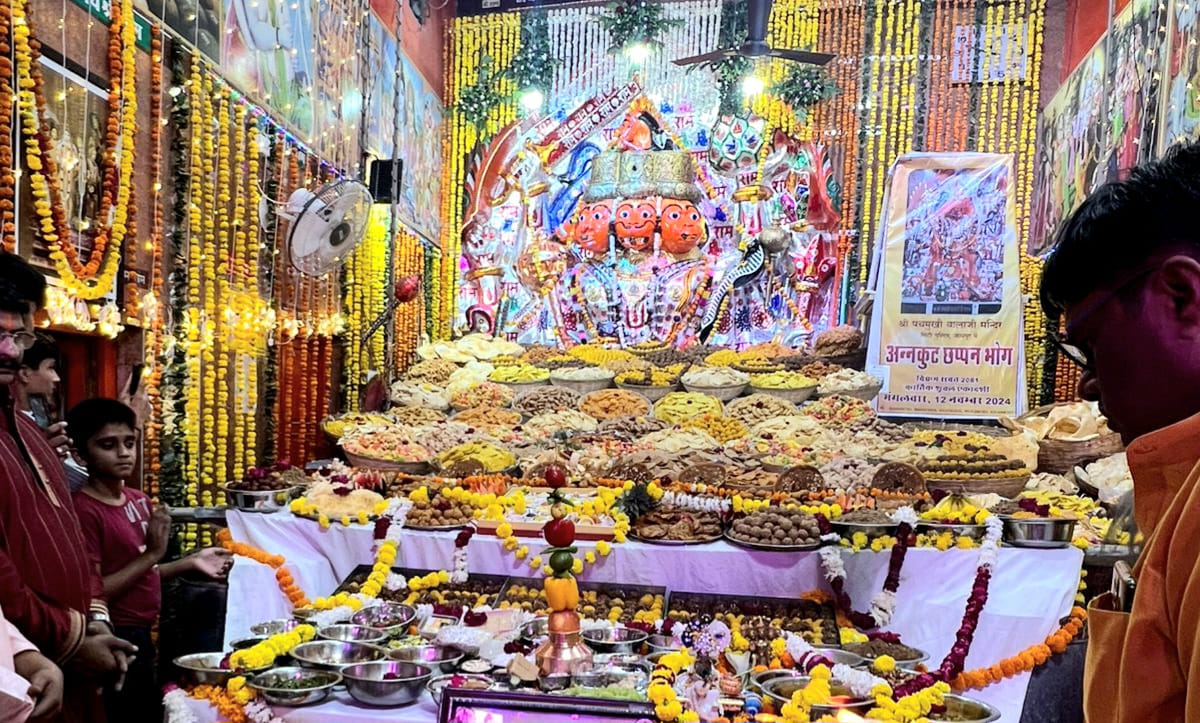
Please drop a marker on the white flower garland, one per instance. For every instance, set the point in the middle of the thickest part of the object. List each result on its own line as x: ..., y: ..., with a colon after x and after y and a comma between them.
x: 905, y: 515
x: 333, y: 616
x: 259, y: 712
x: 461, y: 564
x: 831, y: 563
x: 175, y: 702
x: 395, y: 582
x: 989, y: 549
x: 882, y: 607
x: 859, y: 682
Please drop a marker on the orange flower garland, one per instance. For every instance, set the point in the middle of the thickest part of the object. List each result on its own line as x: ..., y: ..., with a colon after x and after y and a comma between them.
x: 287, y: 584
x: 1055, y: 644
x: 8, y: 180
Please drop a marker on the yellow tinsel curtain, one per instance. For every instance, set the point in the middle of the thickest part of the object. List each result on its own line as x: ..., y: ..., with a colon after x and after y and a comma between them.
x: 496, y: 36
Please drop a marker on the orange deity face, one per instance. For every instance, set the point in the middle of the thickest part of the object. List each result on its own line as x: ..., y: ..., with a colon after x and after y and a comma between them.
x: 591, y: 232
x: 683, y: 227
x: 636, y: 219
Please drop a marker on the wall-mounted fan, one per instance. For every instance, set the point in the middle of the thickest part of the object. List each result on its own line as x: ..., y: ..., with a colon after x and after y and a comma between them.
x: 758, y: 12
x: 325, y: 226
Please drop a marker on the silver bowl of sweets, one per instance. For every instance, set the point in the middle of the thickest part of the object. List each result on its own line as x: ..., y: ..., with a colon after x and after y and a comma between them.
x: 335, y: 655
x: 439, y: 658
x: 294, y: 686
x: 386, y: 683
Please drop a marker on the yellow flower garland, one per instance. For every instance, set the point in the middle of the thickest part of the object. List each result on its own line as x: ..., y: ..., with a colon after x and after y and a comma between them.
x: 264, y: 654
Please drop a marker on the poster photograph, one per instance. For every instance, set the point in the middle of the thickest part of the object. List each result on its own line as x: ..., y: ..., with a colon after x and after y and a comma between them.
x: 1181, y: 83
x: 946, y: 333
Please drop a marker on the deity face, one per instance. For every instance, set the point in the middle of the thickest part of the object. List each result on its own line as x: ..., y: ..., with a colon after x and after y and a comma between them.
x: 591, y: 233
x: 636, y: 219
x: 682, y: 226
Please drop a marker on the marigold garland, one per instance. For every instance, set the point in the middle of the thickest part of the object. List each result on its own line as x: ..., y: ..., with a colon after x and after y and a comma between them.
x: 287, y: 584
x: 8, y: 178
x: 1025, y: 661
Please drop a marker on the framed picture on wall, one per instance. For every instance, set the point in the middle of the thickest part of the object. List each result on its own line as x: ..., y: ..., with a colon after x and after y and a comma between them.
x: 484, y: 706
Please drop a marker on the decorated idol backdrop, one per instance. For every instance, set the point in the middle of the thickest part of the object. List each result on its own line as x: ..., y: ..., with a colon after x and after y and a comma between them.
x: 782, y: 190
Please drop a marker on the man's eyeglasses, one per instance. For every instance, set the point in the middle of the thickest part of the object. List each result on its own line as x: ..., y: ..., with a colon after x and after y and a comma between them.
x: 23, y: 339
x: 1077, y: 356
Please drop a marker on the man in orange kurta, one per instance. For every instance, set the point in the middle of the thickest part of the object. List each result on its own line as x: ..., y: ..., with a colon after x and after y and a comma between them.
x: 1126, y: 275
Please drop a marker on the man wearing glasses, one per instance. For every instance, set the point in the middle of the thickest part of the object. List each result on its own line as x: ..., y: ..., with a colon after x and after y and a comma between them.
x: 1125, y: 275
x: 48, y: 587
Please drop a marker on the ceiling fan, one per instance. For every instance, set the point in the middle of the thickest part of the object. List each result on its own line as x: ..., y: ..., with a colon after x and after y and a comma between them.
x: 755, y: 45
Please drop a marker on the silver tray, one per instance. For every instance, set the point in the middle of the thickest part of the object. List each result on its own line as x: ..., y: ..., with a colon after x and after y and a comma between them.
x: 871, y: 528
x: 771, y: 548
x: 1038, y: 533
x: 672, y: 543
x: 435, y: 528
x: 261, y: 500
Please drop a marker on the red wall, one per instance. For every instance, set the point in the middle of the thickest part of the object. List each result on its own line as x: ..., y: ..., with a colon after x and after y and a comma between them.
x: 1086, y: 22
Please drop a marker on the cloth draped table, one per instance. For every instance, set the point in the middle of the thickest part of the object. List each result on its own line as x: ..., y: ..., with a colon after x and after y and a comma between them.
x: 1030, y: 591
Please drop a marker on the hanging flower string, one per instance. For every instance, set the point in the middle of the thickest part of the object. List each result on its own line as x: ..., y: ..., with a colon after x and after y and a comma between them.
x: 287, y: 584
x: 884, y: 603
x: 1025, y: 661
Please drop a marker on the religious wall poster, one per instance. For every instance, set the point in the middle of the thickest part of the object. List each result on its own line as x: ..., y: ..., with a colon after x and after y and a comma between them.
x: 946, y: 332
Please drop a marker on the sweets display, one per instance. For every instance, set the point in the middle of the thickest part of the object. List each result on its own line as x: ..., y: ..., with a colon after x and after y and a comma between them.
x: 977, y: 466
x: 782, y: 380
x: 439, y: 513
x: 614, y: 404
x: 490, y: 457
x: 838, y: 410
x: 389, y: 445
x: 546, y: 399
x: 337, y: 427
x: 678, y: 407
x: 413, y: 394
x: 755, y: 408
x: 483, y: 394
x: 722, y: 429
x: 488, y: 416
x: 838, y: 341
x: 714, y: 376
x: 416, y: 416
x: 777, y: 528
x: 652, y: 376
x: 760, y: 620
x: 582, y: 374
x: 434, y: 371
x: 847, y: 380
x: 671, y: 525
x: 565, y: 421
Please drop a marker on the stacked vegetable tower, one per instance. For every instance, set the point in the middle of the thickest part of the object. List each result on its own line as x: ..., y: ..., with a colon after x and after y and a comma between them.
x: 564, y: 651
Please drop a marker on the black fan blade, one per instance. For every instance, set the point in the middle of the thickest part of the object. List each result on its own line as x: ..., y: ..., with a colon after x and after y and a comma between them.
x: 801, y: 56
x: 706, y: 58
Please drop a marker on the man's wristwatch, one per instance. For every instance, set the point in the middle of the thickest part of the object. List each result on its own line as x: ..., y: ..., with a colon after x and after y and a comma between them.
x: 95, y: 616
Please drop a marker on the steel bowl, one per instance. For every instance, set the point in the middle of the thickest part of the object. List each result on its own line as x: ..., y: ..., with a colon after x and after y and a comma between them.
x: 271, y: 685
x: 352, y: 634
x: 845, y: 657
x: 1040, y: 532
x: 616, y: 640
x: 662, y: 643
x: 763, y: 677
x: 249, y: 642
x: 205, y: 669
x: 392, y: 618
x: 780, y: 690
x: 386, y: 683
x: 274, y: 627
x: 535, y: 632
x: 440, y: 659
x: 439, y: 684
x: 966, y: 710
x: 555, y: 682
x: 260, y: 501
x: 335, y: 655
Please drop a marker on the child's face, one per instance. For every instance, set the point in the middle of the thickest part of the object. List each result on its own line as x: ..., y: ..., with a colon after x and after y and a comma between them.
x: 112, y: 452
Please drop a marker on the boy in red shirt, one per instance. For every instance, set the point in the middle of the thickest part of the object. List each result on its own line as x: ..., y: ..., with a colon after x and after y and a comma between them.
x: 127, y: 536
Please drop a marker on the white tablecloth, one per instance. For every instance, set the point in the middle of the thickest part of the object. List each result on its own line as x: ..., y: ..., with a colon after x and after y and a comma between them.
x: 1030, y: 589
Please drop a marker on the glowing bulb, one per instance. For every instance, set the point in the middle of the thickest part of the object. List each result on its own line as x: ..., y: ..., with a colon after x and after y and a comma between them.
x: 752, y: 85
x: 637, y: 53
x: 532, y: 99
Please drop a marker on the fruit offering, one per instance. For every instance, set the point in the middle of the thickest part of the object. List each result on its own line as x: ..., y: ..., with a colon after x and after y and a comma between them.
x: 679, y: 407
x: 484, y: 394
x: 614, y: 404
x: 777, y: 527
x: 280, y: 476
x: 519, y: 374
x: 491, y: 457
x: 782, y: 380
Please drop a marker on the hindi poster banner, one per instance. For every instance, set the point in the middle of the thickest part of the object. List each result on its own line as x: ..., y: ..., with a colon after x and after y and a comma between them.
x: 946, y: 332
